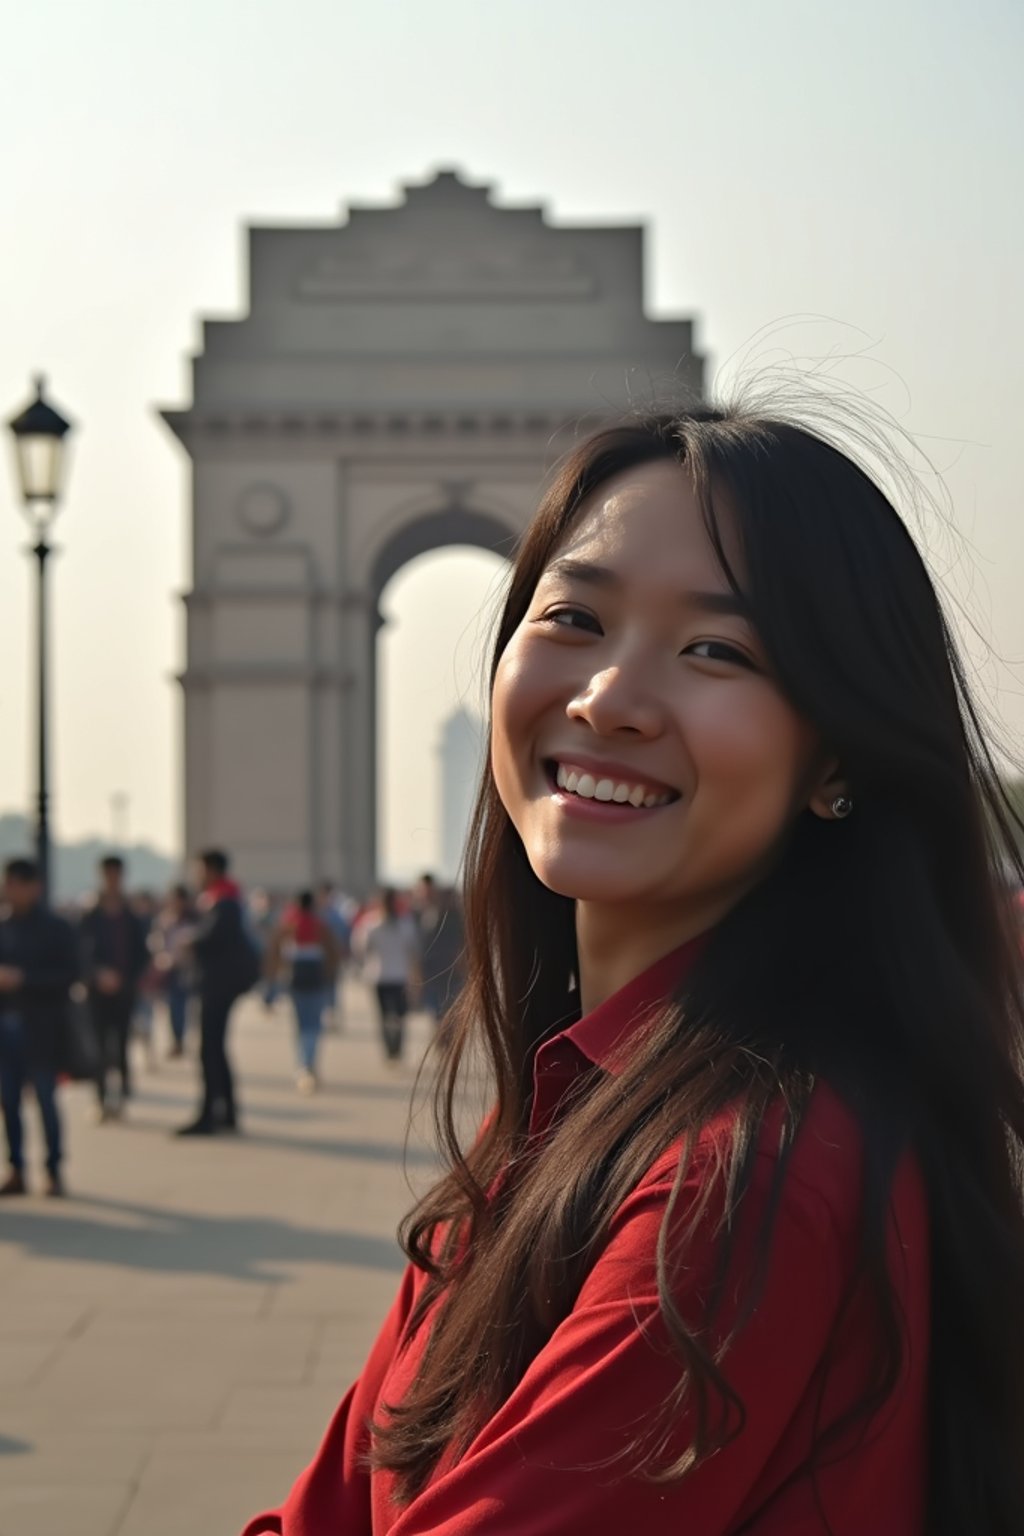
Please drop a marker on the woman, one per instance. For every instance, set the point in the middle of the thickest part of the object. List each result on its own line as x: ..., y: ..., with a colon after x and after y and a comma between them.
x: 740, y: 1248
x: 388, y: 946
x: 169, y: 942
x: 304, y: 944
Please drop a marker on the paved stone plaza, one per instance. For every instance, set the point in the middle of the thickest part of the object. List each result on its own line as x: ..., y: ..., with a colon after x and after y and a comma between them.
x: 174, y: 1336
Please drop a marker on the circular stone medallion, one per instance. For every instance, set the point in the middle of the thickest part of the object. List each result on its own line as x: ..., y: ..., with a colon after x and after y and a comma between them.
x: 262, y: 509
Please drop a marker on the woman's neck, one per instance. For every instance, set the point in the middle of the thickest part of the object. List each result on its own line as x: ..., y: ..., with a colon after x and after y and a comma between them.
x: 615, y: 944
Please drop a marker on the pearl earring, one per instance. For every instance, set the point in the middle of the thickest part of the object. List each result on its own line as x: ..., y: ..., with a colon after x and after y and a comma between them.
x: 842, y: 805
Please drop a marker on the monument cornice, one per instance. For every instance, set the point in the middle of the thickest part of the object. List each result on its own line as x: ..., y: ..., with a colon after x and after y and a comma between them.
x: 220, y: 592
x: 218, y: 425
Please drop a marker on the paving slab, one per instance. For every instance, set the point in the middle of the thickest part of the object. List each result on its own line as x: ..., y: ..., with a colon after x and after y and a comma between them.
x: 175, y: 1336
x: 87, y: 1509
x: 207, y: 1495
x: 74, y: 1456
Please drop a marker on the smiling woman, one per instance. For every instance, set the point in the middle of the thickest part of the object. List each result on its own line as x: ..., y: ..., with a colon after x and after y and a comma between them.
x: 741, y: 1246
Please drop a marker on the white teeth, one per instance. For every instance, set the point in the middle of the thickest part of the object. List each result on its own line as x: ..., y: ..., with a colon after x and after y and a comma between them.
x: 589, y: 787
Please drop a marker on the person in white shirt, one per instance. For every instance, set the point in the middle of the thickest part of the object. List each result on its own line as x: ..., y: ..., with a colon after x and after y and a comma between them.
x: 388, y: 945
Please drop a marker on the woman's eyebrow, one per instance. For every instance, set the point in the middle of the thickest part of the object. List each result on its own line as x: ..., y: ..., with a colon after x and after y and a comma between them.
x: 721, y: 602
x: 582, y: 570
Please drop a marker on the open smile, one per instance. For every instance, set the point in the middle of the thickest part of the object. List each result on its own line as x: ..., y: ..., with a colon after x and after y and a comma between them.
x: 605, y: 788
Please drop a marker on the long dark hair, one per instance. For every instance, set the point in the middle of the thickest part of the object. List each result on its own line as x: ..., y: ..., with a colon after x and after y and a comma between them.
x: 878, y: 954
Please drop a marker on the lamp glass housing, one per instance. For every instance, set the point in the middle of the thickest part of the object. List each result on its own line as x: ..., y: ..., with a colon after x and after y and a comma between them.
x: 40, y: 465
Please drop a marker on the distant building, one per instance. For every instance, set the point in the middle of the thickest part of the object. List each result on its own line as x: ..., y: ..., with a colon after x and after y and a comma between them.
x: 459, y: 754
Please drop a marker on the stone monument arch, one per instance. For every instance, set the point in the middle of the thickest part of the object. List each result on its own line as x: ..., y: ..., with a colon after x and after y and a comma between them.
x: 402, y: 381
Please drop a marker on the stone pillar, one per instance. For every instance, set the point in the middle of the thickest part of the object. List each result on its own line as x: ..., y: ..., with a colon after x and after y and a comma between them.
x: 361, y: 623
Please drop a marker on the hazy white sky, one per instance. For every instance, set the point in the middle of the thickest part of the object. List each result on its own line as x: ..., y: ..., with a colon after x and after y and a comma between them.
x: 804, y: 156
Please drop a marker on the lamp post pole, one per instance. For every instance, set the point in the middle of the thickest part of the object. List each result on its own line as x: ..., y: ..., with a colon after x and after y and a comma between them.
x: 39, y: 433
x: 41, y: 551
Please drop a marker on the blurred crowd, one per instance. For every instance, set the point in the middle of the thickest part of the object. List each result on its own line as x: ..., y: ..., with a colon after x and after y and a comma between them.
x: 78, y: 985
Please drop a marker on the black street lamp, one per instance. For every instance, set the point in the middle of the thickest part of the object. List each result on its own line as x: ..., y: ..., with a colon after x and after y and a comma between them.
x: 39, y: 433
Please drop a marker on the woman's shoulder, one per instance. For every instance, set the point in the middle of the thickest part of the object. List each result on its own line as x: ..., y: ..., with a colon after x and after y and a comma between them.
x: 819, y: 1176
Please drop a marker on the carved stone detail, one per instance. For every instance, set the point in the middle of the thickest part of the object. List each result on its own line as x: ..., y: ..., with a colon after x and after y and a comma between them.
x: 262, y: 509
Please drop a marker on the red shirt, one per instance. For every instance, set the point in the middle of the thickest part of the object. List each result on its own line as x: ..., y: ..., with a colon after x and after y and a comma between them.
x: 533, y: 1469
x: 301, y: 927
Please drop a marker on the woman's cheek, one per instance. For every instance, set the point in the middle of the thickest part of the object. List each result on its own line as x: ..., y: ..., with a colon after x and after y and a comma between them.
x: 524, y: 688
x: 728, y: 732
x: 745, y: 730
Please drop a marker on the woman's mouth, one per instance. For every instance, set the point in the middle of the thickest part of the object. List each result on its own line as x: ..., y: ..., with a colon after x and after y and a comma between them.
x: 609, y: 788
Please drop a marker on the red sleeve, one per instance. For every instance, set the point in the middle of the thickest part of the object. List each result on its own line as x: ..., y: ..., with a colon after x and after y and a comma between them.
x: 336, y: 1482
x: 536, y: 1468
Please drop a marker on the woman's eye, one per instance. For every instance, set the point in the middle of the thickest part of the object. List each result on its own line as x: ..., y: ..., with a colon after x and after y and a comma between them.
x: 571, y: 618
x: 719, y: 650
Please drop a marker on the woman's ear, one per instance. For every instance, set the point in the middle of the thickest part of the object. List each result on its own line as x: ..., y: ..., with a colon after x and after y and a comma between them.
x: 831, y: 799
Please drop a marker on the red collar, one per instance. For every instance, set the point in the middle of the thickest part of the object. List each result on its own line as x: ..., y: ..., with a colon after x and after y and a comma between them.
x: 600, y: 1033
x: 219, y: 890
x: 601, y: 1036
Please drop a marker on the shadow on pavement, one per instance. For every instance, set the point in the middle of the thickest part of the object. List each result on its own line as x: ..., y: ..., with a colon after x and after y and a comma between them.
x: 182, y: 1243
x: 412, y: 1156
x: 398, y: 1092
x: 152, y: 1098
x: 11, y: 1447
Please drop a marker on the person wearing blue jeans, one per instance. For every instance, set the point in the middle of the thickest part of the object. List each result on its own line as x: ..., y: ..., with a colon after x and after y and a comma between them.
x: 38, y: 964
x: 305, y: 947
x: 178, y: 994
x: 309, y: 1012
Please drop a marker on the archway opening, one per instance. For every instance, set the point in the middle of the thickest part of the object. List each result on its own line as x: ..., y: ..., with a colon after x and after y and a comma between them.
x: 433, y: 650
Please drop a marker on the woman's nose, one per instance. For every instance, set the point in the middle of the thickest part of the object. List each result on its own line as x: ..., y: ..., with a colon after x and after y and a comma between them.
x: 616, y: 700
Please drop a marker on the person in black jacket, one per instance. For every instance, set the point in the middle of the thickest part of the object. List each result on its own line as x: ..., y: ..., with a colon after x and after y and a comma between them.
x: 226, y: 965
x: 114, y: 957
x: 37, y: 969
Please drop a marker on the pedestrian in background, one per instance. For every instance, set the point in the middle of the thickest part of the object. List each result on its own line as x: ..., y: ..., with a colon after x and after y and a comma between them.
x: 307, y: 950
x: 169, y: 942
x: 144, y: 905
x: 438, y: 914
x: 114, y: 957
x: 262, y: 914
x: 387, y: 943
x: 38, y: 964
x: 332, y: 910
x: 227, y: 965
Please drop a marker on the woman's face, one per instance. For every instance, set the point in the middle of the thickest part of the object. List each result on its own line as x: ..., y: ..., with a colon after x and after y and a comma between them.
x: 639, y: 744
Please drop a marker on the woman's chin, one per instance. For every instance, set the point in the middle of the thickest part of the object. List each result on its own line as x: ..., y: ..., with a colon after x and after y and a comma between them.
x: 581, y: 881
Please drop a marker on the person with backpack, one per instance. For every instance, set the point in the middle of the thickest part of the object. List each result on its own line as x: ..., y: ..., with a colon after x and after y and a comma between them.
x: 306, y: 949
x: 227, y: 966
